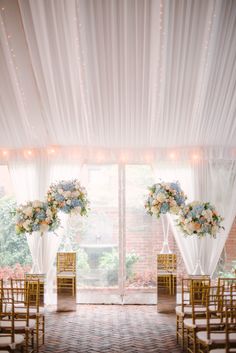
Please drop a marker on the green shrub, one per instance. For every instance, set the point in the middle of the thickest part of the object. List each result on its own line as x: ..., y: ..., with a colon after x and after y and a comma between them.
x: 13, y: 248
x: 109, y: 261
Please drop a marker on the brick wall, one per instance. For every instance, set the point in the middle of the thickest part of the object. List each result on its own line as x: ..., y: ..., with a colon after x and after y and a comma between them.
x: 144, y: 237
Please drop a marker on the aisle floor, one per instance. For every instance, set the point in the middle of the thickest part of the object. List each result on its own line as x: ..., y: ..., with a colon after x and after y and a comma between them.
x: 110, y: 329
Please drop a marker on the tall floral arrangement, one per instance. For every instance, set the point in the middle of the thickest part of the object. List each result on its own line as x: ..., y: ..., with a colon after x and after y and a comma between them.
x: 165, y: 197
x: 35, y: 216
x: 199, y: 218
x: 69, y: 197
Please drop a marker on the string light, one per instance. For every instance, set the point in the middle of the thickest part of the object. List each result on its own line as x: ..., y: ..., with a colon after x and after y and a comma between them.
x: 172, y: 155
x: 5, y: 153
x: 195, y: 156
x: 51, y: 150
x: 100, y: 156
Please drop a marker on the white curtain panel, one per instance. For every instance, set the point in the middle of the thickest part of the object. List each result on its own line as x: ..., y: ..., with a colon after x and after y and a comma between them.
x: 31, y: 175
x: 30, y: 178
x: 206, y: 181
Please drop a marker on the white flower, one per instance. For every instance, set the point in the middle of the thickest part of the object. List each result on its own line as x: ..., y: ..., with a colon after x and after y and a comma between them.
x: 44, y: 227
x: 76, y: 210
x: 67, y: 194
x: 174, y: 209
x: 26, y: 224
x: 60, y: 191
x: 154, y: 209
x: 207, y: 214
x: 36, y: 203
x: 49, y: 213
x: 28, y: 211
x: 161, y: 197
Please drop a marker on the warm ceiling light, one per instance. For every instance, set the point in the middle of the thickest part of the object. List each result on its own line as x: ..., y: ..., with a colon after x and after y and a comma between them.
x: 149, y: 157
x: 195, y: 157
x: 100, y: 156
x: 29, y: 152
x: 51, y: 150
x: 5, y: 153
x: 172, y: 155
x: 123, y: 158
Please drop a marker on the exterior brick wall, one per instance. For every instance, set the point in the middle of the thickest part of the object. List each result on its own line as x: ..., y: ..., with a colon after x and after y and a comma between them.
x: 147, y: 243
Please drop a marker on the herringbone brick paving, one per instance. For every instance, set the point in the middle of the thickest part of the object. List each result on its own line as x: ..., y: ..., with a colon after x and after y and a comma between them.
x: 110, y: 329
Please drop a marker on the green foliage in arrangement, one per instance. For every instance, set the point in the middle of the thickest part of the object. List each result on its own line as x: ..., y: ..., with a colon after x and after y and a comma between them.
x: 13, y: 248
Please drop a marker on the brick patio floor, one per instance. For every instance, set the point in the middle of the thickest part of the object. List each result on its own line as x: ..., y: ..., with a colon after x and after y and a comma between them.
x: 110, y: 329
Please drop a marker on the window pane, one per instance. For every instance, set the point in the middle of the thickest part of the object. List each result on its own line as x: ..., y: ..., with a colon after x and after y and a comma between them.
x: 141, y: 232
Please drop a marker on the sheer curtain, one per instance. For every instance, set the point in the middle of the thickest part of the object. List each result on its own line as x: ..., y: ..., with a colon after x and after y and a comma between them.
x: 30, y: 177
x: 208, y: 181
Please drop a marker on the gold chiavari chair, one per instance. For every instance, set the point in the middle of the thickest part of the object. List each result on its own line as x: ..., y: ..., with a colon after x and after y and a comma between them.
x: 220, y: 338
x: 9, y: 339
x: 166, y: 271
x: 35, y: 311
x: 41, y: 278
x: 211, y: 299
x: 226, y: 282
x: 23, y: 323
x: 66, y: 271
x: 184, y: 310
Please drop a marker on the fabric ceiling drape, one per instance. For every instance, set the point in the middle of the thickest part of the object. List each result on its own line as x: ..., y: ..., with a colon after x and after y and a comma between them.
x: 117, y: 74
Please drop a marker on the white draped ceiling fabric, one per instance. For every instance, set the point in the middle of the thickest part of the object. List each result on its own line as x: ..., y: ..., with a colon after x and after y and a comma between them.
x: 121, y: 81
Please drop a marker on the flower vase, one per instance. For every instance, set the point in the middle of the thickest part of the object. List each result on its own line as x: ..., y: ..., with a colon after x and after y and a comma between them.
x: 165, y: 228
x: 65, y: 219
x: 198, y: 270
x: 35, y: 242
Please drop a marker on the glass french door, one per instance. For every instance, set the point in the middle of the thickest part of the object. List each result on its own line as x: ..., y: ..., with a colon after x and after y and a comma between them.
x: 116, y: 242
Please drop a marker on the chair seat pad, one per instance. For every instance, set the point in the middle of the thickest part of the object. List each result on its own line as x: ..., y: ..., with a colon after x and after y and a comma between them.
x: 23, y: 310
x: 188, y: 310
x: 66, y: 274
x: 200, y: 323
x: 19, y: 324
x: 215, y: 337
x: 5, y: 341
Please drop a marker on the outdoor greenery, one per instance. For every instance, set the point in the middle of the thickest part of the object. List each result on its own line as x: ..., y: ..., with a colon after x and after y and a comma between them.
x: 231, y: 273
x: 109, y: 261
x: 13, y: 248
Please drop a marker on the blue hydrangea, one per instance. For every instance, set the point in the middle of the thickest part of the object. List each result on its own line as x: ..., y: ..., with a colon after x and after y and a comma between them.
x: 164, y: 207
x: 59, y: 197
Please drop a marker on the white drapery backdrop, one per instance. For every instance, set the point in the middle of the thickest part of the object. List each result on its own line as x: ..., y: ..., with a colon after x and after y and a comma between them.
x: 31, y: 179
x: 207, y: 181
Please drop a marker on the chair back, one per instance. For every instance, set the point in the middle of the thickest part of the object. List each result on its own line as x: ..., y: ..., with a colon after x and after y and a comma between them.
x: 66, y: 262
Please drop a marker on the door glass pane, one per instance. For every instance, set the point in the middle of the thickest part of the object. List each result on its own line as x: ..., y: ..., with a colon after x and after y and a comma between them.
x: 141, y: 234
x: 95, y: 237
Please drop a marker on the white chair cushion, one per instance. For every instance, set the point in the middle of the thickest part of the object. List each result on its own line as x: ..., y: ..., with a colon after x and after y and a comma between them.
x: 66, y: 274
x: 218, y: 337
x: 32, y: 311
x: 200, y: 323
x: 19, y: 325
x: 188, y: 310
x: 5, y: 341
x: 23, y: 310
